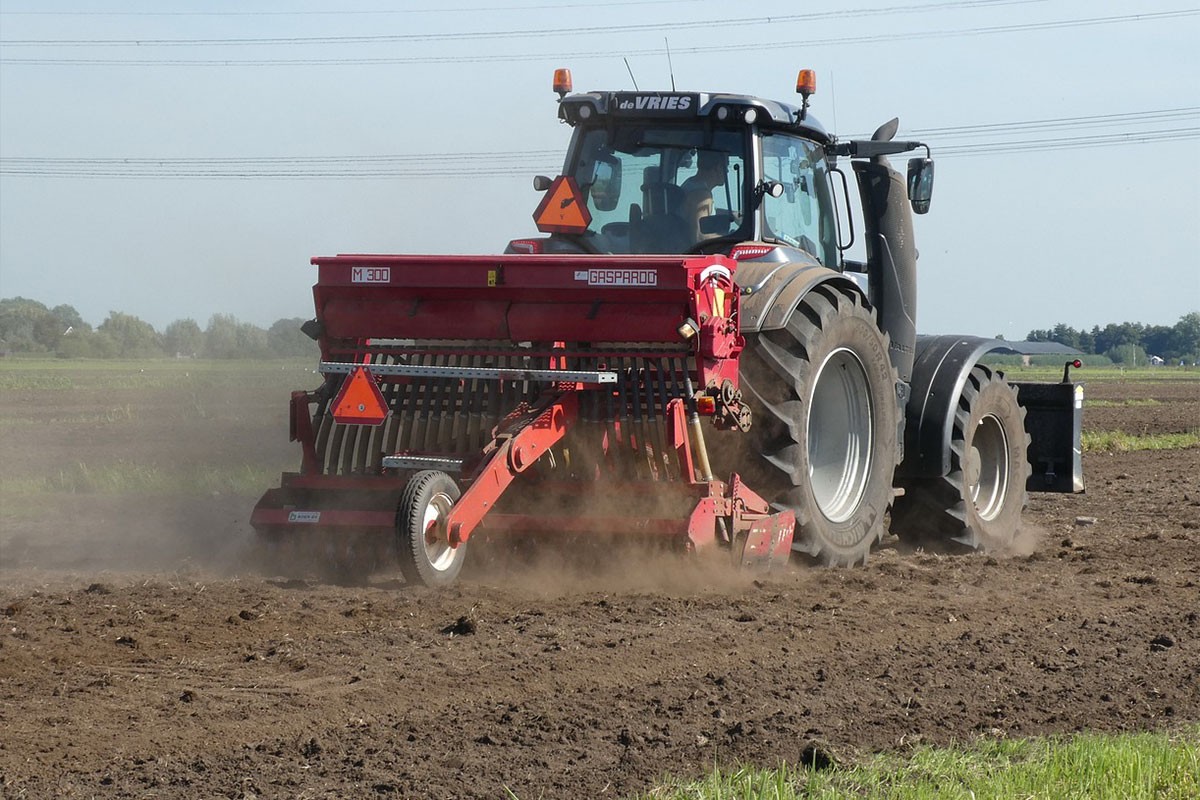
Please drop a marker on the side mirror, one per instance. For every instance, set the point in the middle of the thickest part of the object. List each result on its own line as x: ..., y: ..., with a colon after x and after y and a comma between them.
x: 920, y: 184
x: 770, y: 188
x: 606, y: 183
x: 541, y: 183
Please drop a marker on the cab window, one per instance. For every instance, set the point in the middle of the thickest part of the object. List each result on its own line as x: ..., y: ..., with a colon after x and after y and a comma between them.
x: 661, y: 188
x: 803, y: 215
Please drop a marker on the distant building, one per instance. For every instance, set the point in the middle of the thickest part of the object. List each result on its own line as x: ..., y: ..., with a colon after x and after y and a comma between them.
x: 1156, y: 361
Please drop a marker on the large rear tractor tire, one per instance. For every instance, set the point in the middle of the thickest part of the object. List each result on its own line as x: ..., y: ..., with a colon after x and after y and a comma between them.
x: 978, y: 504
x: 823, y: 441
x: 423, y: 545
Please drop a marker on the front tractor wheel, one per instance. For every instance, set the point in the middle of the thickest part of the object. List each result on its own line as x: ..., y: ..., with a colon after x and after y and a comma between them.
x: 823, y: 393
x: 978, y: 504
x: 426, y: 556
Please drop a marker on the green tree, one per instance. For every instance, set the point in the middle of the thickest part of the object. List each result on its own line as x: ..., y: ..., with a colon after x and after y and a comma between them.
x: 133, y: 338
x: 251, y: 341
x: 1114, y: 335
x: 1159, y: 340
x: 1065, y: 334
x: 286, y: 339
x: 1187, y: 337
x: 183, y: 337
x: 225, y: 337
x: 19, y: 319
x: 1128, y: 354
x: 220, y: 337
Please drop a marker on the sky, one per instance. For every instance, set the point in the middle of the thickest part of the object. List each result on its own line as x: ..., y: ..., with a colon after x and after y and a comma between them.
x: 177, y: 160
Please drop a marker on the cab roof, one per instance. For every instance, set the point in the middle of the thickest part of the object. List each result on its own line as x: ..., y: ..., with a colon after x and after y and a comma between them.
x: 586, y: 107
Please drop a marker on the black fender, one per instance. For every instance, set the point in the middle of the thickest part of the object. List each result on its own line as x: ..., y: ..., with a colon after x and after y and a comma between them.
x: 940, y: 371
x: 771, y: 290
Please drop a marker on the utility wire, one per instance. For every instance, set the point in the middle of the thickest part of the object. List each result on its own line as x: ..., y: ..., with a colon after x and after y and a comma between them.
x: 526, y: 33
x: 588, y: 55
x: 434, y: 165
x: 346, y: 13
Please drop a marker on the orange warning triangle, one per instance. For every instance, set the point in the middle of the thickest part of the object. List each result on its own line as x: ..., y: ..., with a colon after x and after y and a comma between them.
x: 563, y: 209
x: 359, y: 402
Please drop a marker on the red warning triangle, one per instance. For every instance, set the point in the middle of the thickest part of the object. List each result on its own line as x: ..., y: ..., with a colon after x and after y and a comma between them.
x: 359, y: 402
x: 563, y: 209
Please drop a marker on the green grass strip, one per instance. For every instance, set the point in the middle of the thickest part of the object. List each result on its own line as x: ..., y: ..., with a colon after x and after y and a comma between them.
x: 1093, y: 766
x: 1121, y: 442
x: 1132, y: 403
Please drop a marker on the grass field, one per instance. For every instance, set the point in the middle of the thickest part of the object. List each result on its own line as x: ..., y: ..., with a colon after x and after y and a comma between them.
x: 1143, y: 766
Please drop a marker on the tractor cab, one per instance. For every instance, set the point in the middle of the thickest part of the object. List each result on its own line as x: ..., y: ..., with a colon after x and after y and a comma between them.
x: 686, y: 172
x: 693, y: 172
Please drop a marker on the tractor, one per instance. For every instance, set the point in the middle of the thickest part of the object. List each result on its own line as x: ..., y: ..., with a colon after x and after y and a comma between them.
x: 685, y: 353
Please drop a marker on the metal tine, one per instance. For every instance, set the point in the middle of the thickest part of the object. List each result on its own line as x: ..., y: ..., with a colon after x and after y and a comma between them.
x: 393, y: 394
x: 322, y: 421
x: 678, y: 370
x: 637, y: 431
x: 335, y: 446
x: 437, y: 421
x: 585, y: 445
x: 643, y: 455
x: 475, y: 410
x: 324, y: 427
x: 657, y: 443
x: 381, y: 433
x: 668, y: 453
x: 621, y: 423
x: 349, y: 437
x: 453, y: 420
x: 491, y: 411
x: 610, y: 415
x: 421, y: 407
x: 601, y: 403
x: 456, y: 425
x: 387, y: 431
x: 408, y: 400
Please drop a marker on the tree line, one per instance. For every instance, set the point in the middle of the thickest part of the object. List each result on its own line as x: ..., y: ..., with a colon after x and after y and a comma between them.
x: 1131, y: 342
x: 27, y: 326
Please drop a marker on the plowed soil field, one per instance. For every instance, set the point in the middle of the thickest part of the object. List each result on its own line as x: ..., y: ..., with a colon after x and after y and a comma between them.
x: 142, y: 654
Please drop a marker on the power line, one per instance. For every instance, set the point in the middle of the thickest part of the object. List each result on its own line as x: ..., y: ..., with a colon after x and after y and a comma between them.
x: 509, y: 163
x: 584, y: 55
x: 309, y: 41
x: 345, y: 13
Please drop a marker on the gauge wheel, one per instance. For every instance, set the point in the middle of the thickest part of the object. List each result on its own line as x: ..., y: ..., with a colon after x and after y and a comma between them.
x: 424, y: 549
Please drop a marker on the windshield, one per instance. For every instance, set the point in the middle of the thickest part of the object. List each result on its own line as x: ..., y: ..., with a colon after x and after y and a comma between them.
x: 661, y: 188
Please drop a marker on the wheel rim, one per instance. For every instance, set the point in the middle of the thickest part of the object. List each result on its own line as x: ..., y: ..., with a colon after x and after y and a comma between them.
x: 436, y: 540
x: 987, y: 470
x: 840, y: 435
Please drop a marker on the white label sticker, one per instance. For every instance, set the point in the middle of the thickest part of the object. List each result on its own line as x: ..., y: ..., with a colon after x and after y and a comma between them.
x: 304, y: 516
x: 622, y: 277
x: 371, y: 275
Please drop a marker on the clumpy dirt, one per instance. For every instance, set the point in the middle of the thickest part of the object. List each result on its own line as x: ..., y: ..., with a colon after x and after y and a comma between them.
x: 141, y: 655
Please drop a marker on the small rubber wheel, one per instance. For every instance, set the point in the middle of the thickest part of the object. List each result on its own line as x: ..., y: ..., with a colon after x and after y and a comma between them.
x: 423, y: 543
